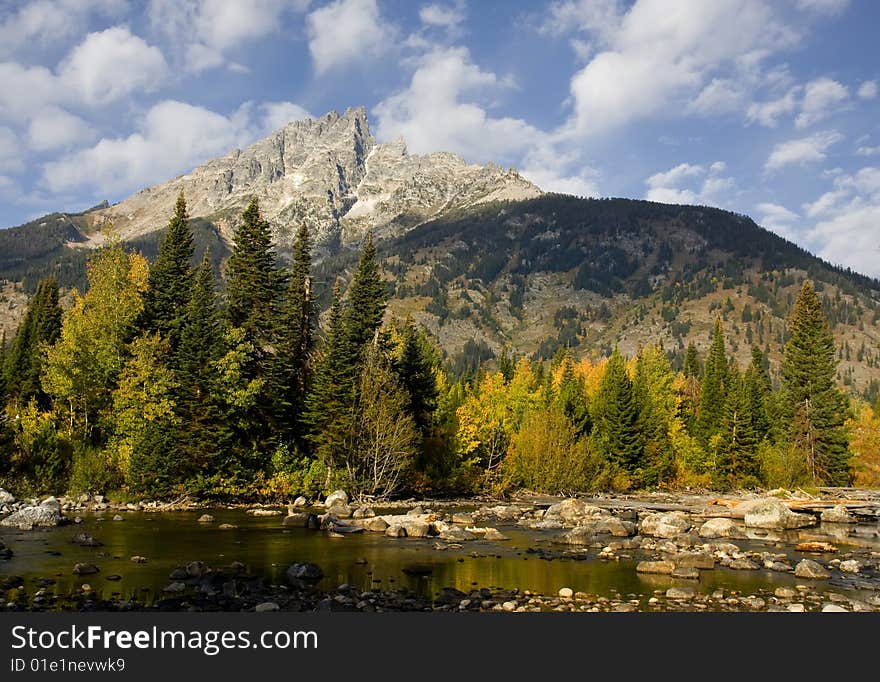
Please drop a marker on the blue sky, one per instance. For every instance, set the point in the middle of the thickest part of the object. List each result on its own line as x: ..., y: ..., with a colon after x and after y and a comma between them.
x: 765, y: 108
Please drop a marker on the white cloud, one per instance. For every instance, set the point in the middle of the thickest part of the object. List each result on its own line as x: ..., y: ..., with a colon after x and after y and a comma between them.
x: 209, y: 28
x: 823, y: 6
x: 172, y: 138
x: 444, y: 16
x: 111, y: 64
x: 867, y: 151
x: 345, y: 31
x: 25, y: 90
x: 720, y: 96
x: 54, y: 128
x: 767, y: 113
x: 278, y: 114
x: 777, y: 218
x: 821, y: 97
x: 660, y: 54
x: 868, y: 90
x: 10, y: 151
x: 50, y: 21
x: 667, y: 186
x: 803, y: 150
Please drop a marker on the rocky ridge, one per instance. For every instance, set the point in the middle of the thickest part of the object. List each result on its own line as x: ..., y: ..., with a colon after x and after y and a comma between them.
x: 329, y: 173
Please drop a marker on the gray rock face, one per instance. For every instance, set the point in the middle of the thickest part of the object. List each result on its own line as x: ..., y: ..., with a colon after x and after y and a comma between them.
x: 838, y: 514
x: 811, y: 570
x: 31, y: 517
x: 774, y: 515
x: 665, y: 525
x: 328, y: 173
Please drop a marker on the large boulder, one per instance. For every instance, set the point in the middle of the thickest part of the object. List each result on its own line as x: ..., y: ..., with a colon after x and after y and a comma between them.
x: 6, y: 497
x: 337, y: 497
x: 838, y: 514
x: 502, y: 512
x: 665, y: 524
x: 773, y: 514
x: 720, y: 528
x: 572, y: 512
x: 811, y: 570
x: 655, y: 567
x: 415, y: 526
x: 31, y: 517
x: 296, y: 520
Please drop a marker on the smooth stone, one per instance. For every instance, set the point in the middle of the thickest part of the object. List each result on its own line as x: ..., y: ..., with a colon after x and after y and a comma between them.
x: 773, y: 514
x: 833, y: 608
x: 266, y: 607
x: 566, y: 593
x: 686, y: 573
x: 850, y: 566
x: 694, y: 560
x: 304, y: 571
x: 684, y: 593
x: 300, y: 502
x: 743, y: 564
x: 206, y: 518
x: 838, y: 514
x: 337, y: 497
x: 812, y: 570
x: 720, y: 528
x: 296, y: 520
x: 85, y: 569
x: 655, y: 567
x: 664, y: 525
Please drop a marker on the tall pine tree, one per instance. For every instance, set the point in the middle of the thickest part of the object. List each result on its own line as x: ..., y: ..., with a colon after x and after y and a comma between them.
x: 171, y: 279
x: 713, y: 392
x: 737, y: 460
x: 295, y: 342
x: 617, y: 418
x: 759, y: 390
x: 813, y: 406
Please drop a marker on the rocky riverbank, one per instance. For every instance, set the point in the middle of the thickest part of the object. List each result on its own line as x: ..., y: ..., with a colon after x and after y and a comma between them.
x: 683, y: 552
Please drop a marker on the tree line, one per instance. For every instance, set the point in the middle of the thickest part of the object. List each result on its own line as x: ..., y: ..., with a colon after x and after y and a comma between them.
x: 154, y: 384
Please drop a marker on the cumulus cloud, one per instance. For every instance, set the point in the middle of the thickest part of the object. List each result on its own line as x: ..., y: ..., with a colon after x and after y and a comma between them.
x: 865, y: 150
x: 706, y: 186
x: 720, y: 96
x: 821, y: 98
x: 26, y: 89
x: 55, y: 128
x: 777, y: 218
x: 345, y: 31
x: 209, y: 28
x: 443, y: 16
x: 801, y: 151
x: 868, y: 90
x: 172, y: 138
x: 50, y: 21
x: 112, y: 63
x: 767, y: 113
x: 659, y: 53
x: 10, y: 151
x: 278, y: 114
x: 847, y: 217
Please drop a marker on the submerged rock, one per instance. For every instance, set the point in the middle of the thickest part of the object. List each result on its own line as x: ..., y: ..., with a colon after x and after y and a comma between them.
x: 83, y: 539
x: 85, y: 569
x: 655, y: 567
x: 304, y: 571
x: 206, y: 518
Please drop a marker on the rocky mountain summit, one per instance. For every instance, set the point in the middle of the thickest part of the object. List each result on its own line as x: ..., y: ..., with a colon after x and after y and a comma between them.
x: 329, y: 173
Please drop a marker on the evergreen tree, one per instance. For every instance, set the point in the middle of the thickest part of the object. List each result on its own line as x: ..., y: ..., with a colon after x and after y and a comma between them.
x: 415, y: 367
x: 759, y: 390
x: 202, y: 432
x: 571, y: 400
x: 813, y: 406
x: 295, y: 342
x: 617, y: 418
x: 25, y: 359
x: 254, y: 283
x: 713, y: 388
x: 367, y: 298
x: 655, y: 401
x: 737, y: 461
x: 171, y: 279
x: 692, y: 362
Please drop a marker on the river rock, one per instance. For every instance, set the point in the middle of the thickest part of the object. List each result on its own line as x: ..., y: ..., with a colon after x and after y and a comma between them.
x: 456, y: 534
x: 336, y: 497
x: 83, y: 539
x: 30, y: 517
x: 266, y: 607
x: 227, y: 526
x: 206, y: 518
x: 743, y: 564
x: 815, y: 546
x: 665, y: 524
x: 375, y: 525
x: 10, y: 582
x: 494, y: 535
x: 566, y: 593
x: 85, y: 569
x: 196, y: 569
x: 684, y: 593
x: 265, y: 512
x: 340, y: 511
x: 850, y: 566
x: 5, y: 552
x: 6, y: 497
x: 686, y: 573
x: 175, y: 588
x: 572, y: 511
x: 812, y: 570
x: 465, y: 519
x: 720, y: 528
x: 304, y: 571
x: 395, y: 531
x: 785, y: 592
x: 838, y: 514
x: 363, y: 513
x: 300, y: 502
x: 296, y: 520
x: 51, y: 503
x: 655, y: 567
x: 137, y: 559
x: 773, y: 514
x: 833, y: 608
x: 694, y: 560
